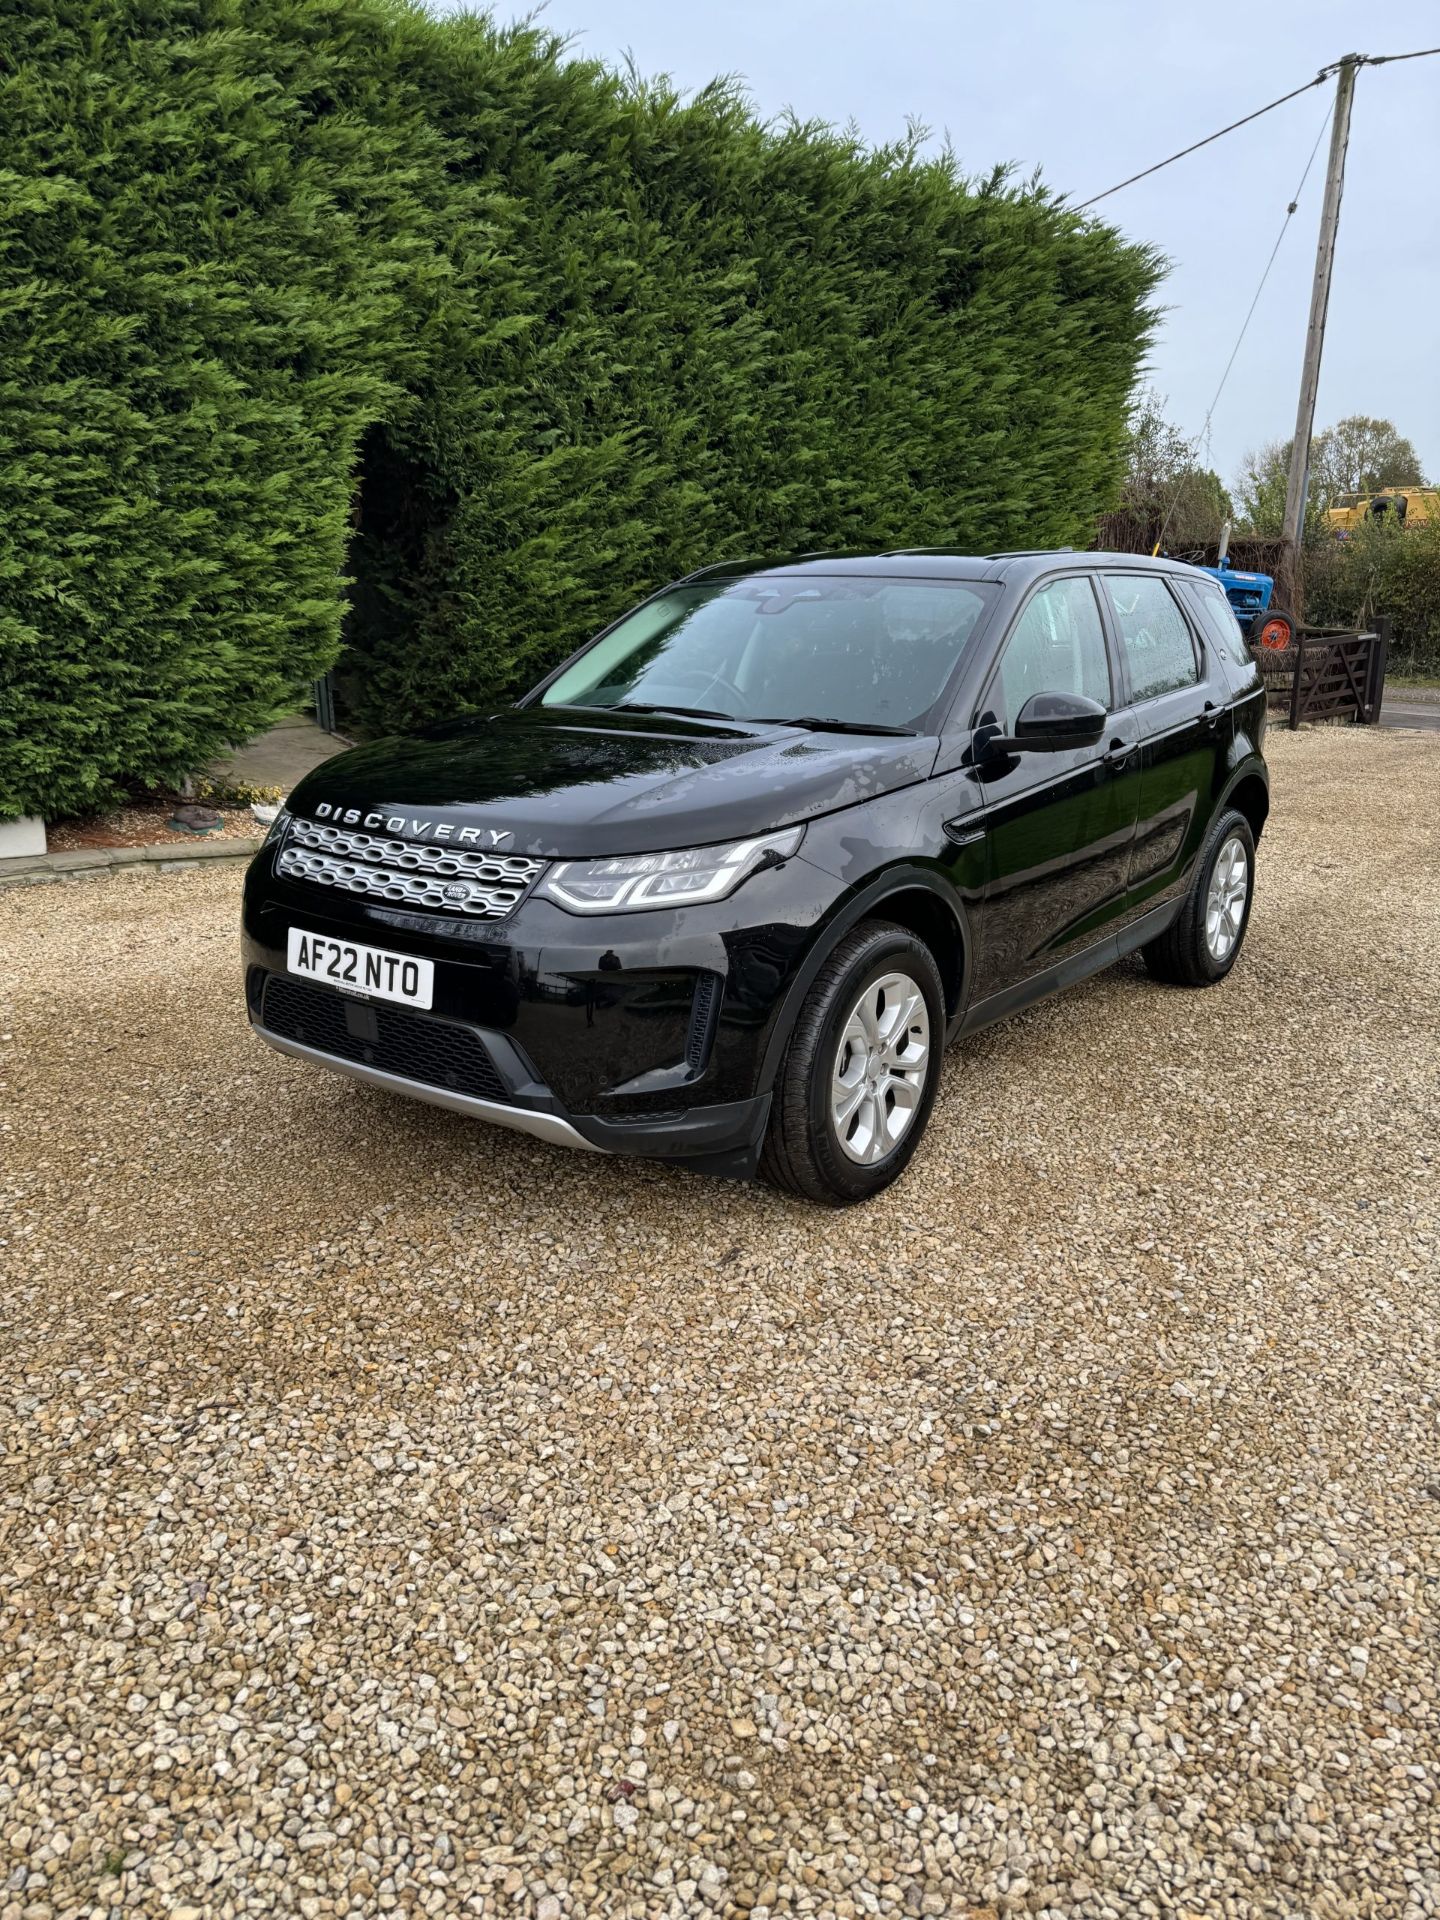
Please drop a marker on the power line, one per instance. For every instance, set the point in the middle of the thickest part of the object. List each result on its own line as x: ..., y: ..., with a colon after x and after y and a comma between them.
x: 1360, y: 60
x: 1295, y: 92
x: 1245, y: 323
x: 1250, y: 314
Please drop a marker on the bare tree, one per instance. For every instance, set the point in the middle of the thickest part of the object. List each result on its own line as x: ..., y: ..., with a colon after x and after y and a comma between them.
x: 1164, y: 486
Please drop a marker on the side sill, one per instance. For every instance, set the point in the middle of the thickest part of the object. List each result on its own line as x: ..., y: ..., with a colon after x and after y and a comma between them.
x: 1116, y: 946
x: 1149, y: 926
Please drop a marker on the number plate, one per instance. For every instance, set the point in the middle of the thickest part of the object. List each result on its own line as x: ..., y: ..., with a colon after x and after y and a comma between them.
x: 368, y: 970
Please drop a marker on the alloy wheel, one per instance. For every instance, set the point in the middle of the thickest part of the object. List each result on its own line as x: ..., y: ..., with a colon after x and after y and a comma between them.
x: 878, y: 1079
x: 1225, y: 901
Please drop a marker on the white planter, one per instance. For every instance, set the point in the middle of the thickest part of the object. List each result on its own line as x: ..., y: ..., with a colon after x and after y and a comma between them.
x: 21, y: 837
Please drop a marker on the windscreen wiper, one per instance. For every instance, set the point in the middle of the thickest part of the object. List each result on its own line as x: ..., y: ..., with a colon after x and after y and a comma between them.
x: 686, y: 713
x: 814, y: 723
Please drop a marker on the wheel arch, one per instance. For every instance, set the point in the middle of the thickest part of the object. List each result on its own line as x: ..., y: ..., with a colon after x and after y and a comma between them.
x: 911, y: 898
x: 1249, y: 793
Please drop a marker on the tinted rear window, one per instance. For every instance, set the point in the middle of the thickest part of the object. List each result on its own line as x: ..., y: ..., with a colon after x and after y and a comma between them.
x: 1158, y: 647
x: 1207, y: 599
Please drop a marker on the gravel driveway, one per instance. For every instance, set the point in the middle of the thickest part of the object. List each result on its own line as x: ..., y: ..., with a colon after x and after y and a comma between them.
x: 401, y: 1516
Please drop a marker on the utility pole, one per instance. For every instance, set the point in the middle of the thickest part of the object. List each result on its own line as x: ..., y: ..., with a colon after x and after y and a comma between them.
x: 1299, y: 482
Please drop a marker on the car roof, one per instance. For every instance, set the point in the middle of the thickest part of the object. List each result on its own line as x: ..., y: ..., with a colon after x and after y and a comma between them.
x: 935, y: 563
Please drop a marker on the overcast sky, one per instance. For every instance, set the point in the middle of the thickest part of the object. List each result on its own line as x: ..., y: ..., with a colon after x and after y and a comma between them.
x: 1095, y: 91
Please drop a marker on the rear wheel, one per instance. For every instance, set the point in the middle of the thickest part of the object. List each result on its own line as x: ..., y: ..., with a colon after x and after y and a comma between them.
x: 1203, y: 942
x: 855, y: 1089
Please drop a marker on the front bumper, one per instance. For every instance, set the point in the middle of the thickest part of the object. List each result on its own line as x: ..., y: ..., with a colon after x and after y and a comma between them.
x: 542, y: 1125
x: 718, y: 1140
x: 641, y: 1034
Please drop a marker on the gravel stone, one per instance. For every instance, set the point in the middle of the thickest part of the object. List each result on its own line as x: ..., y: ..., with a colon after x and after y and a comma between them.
x: 403, y: 1517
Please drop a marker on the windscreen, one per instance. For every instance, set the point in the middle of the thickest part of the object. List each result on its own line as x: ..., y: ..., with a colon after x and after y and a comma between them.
x: 861, y: 652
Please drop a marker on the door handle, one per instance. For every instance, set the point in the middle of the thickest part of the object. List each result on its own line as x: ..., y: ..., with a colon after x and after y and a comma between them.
x: 1212, y: 715
x: 1118, y: 752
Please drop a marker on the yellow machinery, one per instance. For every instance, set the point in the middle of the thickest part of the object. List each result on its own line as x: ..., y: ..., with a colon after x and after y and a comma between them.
x: 1409, y: 506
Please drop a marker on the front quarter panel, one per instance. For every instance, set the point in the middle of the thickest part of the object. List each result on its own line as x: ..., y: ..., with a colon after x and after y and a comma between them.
x: 928, y: 840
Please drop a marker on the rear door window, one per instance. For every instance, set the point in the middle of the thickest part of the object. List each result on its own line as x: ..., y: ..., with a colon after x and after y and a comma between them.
x: 1158, y: 646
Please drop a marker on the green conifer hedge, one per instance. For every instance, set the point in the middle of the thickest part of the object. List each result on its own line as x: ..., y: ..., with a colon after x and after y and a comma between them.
x: 296, y: 290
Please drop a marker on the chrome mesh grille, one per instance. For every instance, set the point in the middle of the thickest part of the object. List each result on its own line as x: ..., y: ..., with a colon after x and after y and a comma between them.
x: 486, y: 886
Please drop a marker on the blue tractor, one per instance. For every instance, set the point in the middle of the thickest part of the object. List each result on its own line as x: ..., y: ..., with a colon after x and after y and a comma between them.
x: 1249, y: 596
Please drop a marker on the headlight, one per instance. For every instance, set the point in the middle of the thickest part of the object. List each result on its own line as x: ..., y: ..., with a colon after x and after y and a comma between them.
x: 664, y: 879
x: 277, y: 828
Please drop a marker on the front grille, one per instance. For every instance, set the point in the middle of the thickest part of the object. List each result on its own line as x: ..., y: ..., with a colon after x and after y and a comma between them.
x: 415, y: 1045
x: 486, y: 886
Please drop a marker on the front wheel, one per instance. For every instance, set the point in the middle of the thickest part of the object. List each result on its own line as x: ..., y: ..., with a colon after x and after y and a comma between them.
x: 858, y: 1080
x: 1203, y: 942
x: 1272, y: 632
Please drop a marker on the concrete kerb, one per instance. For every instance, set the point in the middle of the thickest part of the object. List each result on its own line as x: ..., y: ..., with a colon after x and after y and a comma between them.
x: 96, y: 863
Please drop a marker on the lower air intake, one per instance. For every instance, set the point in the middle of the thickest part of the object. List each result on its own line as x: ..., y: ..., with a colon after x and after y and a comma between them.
x: 415, y: 1045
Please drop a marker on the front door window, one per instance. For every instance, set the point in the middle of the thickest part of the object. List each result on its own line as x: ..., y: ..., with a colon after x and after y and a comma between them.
x: 1058, y: 646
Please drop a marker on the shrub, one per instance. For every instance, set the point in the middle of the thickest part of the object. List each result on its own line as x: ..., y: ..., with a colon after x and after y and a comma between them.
x: 1382, y: 569
x: 212, y: 243
x: 570, y: 334
x: 693, y: 338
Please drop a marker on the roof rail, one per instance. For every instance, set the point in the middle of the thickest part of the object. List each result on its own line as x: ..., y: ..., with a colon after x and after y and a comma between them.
x: 723, y: 566
x: 756, y: 562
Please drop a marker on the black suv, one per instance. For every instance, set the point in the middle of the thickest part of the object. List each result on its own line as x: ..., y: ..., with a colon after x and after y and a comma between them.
x: 720, y: 889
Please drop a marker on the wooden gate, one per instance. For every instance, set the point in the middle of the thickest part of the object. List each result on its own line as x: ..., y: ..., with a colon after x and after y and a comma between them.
x: 1328, y: 675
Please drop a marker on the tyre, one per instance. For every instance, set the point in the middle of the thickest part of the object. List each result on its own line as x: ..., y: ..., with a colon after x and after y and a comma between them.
x: 858, y: 1080
x: 1203, y: 942
x: 1273, y: 631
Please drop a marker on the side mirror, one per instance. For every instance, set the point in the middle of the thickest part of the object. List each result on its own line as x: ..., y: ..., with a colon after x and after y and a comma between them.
x: 1050, y: 722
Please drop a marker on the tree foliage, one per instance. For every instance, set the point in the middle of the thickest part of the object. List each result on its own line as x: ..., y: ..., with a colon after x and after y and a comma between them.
x: 1356, y: 455
x: 1362, y: 455
x: 1260, y: 490
x: 291, y: 287
x: 215, y: 259
x: 1167, y: 495
x: 1382, y: 568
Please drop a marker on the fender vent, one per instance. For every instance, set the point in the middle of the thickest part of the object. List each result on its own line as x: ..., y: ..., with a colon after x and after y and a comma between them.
x: 703, y: 1009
